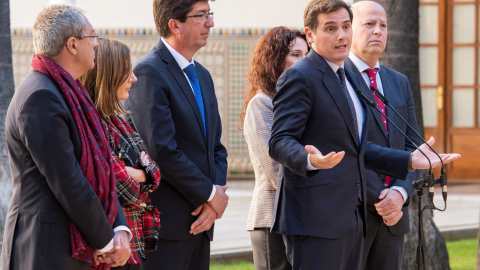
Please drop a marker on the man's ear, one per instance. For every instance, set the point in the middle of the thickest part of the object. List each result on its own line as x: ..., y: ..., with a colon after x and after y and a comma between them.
x: 174, y: 26
x: 309, y: 34
x: 71, y: 45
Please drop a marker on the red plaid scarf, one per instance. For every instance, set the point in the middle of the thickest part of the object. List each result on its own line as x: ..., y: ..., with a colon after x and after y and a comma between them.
x: 142, y: 217
x: 95, y: 162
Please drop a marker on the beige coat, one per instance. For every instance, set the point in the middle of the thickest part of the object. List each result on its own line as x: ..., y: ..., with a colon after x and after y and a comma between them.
x: 257, y: 131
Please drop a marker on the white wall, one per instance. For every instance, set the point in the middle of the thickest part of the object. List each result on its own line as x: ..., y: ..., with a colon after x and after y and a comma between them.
x: 138, y: 13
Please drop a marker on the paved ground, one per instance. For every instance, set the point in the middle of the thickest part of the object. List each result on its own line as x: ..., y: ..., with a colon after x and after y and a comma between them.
x: 463, y: 212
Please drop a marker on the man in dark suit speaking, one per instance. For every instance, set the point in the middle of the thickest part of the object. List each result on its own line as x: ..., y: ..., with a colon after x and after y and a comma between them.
x: 387, y: 197
x: 175, y: 111
x: 320, y: 200
x: 64, y: 211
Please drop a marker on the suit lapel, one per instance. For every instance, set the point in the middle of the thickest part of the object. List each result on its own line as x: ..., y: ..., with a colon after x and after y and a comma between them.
x: 182, y: 81
x: 332, y: 84
x: 366, y: 90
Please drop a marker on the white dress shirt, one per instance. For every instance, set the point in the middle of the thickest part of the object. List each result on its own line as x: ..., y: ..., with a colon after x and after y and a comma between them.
x: 356, y: 103
x: 361, y: 66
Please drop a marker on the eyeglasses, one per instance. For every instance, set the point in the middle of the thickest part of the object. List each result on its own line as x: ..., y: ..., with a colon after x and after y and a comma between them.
x: 93, y: 37
x: 202, y: 17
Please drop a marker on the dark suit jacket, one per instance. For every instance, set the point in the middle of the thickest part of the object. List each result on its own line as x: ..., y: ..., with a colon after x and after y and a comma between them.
x: 310, y: 108
x: 166, y: 115
x: 48, y: 185
x: 397, y: 90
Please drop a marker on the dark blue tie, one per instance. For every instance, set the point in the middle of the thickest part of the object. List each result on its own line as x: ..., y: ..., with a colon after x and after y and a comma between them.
x: 343, y: 83
x: 193, y: 78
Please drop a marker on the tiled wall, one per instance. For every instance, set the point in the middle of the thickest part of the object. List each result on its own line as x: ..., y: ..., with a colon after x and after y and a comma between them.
x: 227, y: 57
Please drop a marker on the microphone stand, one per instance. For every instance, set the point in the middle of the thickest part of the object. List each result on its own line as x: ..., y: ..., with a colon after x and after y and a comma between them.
x: 420, y: 184
x: 443, y: 175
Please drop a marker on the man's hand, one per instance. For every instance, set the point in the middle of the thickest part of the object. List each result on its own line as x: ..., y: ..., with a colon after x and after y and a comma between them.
x: 390, y: 206
x: 320, y: 161
x: 120, y: 253
x: 219, y: 201
x: 420, y: 162
x: 393, y: 218
x: 204, y: 221
x: 391, y: 200
x: 98, y: 257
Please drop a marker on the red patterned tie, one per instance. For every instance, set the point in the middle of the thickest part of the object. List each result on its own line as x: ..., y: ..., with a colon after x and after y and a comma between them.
x: 372, y: 75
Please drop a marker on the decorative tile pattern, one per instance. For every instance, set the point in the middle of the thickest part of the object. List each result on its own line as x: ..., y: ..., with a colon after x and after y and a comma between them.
x: 227, y: 56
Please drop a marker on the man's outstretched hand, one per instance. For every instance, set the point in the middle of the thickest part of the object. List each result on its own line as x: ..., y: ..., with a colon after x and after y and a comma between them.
x: 320, y: 161
x: 420, y: 162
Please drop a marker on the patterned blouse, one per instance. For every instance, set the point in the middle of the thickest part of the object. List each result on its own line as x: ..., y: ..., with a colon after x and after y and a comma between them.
x: 142, y: 217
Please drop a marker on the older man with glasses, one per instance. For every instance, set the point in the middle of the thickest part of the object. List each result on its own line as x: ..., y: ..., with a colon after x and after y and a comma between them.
x: 64, y: 213
x: 175, y: 111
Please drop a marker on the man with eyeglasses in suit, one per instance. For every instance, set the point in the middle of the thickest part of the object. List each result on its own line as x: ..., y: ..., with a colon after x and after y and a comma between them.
x: 175, y: 111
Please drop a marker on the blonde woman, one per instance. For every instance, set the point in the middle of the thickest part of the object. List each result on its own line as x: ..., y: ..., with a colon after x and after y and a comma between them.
x: 108, y: 84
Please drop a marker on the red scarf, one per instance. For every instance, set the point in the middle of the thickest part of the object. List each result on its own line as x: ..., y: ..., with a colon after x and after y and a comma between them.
x: 95, y: 162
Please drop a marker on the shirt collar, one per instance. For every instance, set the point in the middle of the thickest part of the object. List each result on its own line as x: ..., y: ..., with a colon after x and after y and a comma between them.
x: 360, y: 64
x: 181, y: 60
x: 334, y: 66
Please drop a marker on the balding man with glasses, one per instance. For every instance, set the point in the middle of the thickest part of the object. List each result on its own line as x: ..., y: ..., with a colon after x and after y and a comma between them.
x: 175, y: 111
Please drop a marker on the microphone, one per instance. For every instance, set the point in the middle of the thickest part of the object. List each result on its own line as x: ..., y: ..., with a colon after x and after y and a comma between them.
x: 427, y: 182
x: 443, y: 176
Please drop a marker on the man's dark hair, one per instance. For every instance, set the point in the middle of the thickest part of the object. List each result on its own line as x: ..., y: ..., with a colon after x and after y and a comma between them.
x: 316, y: 7
x: 165, y: 10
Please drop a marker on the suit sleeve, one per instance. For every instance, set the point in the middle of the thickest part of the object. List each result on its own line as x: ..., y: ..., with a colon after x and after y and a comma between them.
x: 154, y: 122
x: 412, y: 120
x: 291, y: 108
x: 120, y: 219
x: 43, y: 124
x: 387, y: 161
x: 220, y: 152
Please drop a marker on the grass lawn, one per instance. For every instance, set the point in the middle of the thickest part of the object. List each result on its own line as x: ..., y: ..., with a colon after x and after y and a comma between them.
x: 462, y: 254
x: 242, y: 265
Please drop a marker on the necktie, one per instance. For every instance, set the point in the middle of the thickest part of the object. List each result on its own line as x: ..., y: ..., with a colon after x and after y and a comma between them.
x: 343, y: 83
x: 193, y: 78
x: 372, y: 75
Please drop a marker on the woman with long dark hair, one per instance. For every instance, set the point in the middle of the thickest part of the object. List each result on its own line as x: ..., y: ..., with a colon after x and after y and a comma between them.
x: 276, y: 51
x: 108, y: 83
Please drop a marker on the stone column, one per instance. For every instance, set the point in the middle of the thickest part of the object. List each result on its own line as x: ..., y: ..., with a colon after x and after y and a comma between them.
x: 6, y: 93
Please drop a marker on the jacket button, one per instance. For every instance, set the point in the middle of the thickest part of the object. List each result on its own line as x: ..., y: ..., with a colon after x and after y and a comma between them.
x: 358, y: 183
x: 382, y: 177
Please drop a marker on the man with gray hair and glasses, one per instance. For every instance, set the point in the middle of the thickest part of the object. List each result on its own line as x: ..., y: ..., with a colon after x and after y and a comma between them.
x: 64, y: 213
